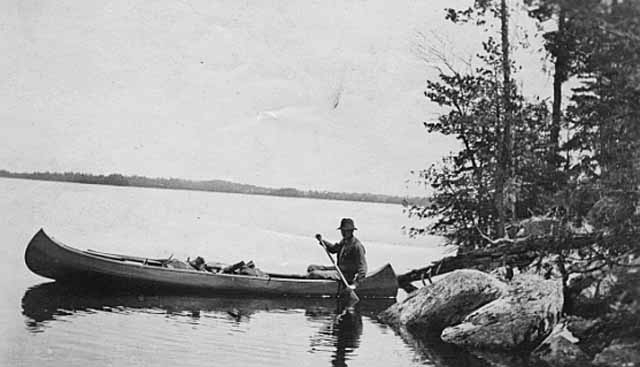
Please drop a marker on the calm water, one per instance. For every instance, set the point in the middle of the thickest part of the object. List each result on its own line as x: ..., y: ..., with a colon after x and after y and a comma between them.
x: 45, y: 324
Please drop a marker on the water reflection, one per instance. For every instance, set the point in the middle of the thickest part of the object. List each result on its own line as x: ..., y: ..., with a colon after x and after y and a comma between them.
x: 45, y: 302
x: 347, y: 330
x: 431, y: 348
x: 339, y: 333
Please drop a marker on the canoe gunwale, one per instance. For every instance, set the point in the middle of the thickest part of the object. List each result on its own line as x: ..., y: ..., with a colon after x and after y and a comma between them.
x: 183, y: 271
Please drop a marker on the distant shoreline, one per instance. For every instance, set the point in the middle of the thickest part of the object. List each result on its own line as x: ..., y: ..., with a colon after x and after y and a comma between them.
x: 206, y: 185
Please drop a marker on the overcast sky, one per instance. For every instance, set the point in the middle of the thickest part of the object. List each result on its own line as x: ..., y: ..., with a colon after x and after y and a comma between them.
x: 306, y: 94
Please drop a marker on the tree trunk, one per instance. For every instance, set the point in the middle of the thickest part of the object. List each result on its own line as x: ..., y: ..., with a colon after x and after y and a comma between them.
x: 504, y: 170
x: 559, y: 77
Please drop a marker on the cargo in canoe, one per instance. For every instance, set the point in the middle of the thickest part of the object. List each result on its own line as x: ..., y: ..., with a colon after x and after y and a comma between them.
x: 52, y: 259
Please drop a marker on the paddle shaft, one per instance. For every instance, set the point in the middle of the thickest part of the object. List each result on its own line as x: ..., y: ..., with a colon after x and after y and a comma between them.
x: 344, y: 280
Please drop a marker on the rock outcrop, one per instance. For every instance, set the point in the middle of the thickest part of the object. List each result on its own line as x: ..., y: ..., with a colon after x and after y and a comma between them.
x: 446, y: 302
x: 521, y: 319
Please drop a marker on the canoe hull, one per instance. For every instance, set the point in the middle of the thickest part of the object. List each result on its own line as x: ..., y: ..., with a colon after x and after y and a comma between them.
x: 51, y: 259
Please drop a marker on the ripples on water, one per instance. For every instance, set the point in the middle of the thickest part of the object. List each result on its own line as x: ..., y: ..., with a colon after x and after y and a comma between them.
x: 114, y: 329
x: 193, y: 329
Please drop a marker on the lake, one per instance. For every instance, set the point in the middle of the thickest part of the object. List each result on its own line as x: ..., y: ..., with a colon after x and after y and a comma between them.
x: 46, y: 324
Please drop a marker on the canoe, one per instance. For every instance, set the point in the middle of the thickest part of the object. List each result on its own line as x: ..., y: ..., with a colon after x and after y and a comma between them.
x: 52, y: 259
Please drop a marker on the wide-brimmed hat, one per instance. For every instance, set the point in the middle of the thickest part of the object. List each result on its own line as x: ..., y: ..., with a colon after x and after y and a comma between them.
x: 347, y: 223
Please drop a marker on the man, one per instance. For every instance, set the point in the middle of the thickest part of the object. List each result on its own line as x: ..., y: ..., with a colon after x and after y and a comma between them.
x: 351, y: 256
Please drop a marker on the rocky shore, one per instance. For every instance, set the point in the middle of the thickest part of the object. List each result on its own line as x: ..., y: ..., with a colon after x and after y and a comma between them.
x: 525, y: 320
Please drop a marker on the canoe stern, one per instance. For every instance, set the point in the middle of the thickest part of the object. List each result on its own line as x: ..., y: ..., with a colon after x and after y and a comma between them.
x: 382, y: 283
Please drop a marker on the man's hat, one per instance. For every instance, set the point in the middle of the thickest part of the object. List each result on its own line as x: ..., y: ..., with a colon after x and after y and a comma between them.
x: 347, y: 223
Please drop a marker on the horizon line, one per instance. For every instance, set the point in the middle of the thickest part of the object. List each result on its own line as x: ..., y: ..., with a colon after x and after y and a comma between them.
x: 118, y: 179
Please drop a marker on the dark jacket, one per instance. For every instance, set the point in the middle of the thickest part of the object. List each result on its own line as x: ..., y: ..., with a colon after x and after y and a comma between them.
x: 351, y: 258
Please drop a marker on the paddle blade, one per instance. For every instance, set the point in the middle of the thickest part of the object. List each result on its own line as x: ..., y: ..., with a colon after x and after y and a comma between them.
x: 352, y: 299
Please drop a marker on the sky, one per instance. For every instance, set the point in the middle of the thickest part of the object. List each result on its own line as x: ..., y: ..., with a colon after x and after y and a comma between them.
x: 323, y: 95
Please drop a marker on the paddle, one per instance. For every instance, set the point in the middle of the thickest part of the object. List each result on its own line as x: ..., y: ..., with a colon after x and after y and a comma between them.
x: 353, y: 297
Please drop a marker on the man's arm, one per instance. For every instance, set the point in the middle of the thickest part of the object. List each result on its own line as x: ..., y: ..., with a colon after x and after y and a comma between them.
x: 331, y: 247
x: 361, y: 272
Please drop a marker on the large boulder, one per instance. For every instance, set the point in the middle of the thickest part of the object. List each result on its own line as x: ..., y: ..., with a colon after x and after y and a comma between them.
x: 446, y: 302
x: 519, y: 320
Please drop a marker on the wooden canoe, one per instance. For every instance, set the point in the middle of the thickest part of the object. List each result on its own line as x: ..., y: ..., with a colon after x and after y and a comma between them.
x: 52, y: 259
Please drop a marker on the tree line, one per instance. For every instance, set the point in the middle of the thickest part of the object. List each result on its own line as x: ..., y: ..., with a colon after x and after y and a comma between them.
x: 206, y: 185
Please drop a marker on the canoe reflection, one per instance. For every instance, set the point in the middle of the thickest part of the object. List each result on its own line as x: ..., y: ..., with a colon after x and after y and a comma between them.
x: 339, y: 332
x: 50, y: 301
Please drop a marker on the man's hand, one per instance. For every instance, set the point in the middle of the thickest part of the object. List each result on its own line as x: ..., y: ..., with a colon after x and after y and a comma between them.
x: 352, y: 287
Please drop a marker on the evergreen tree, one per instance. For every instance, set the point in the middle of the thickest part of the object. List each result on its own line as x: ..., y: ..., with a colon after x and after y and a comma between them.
x: 466, y: 183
